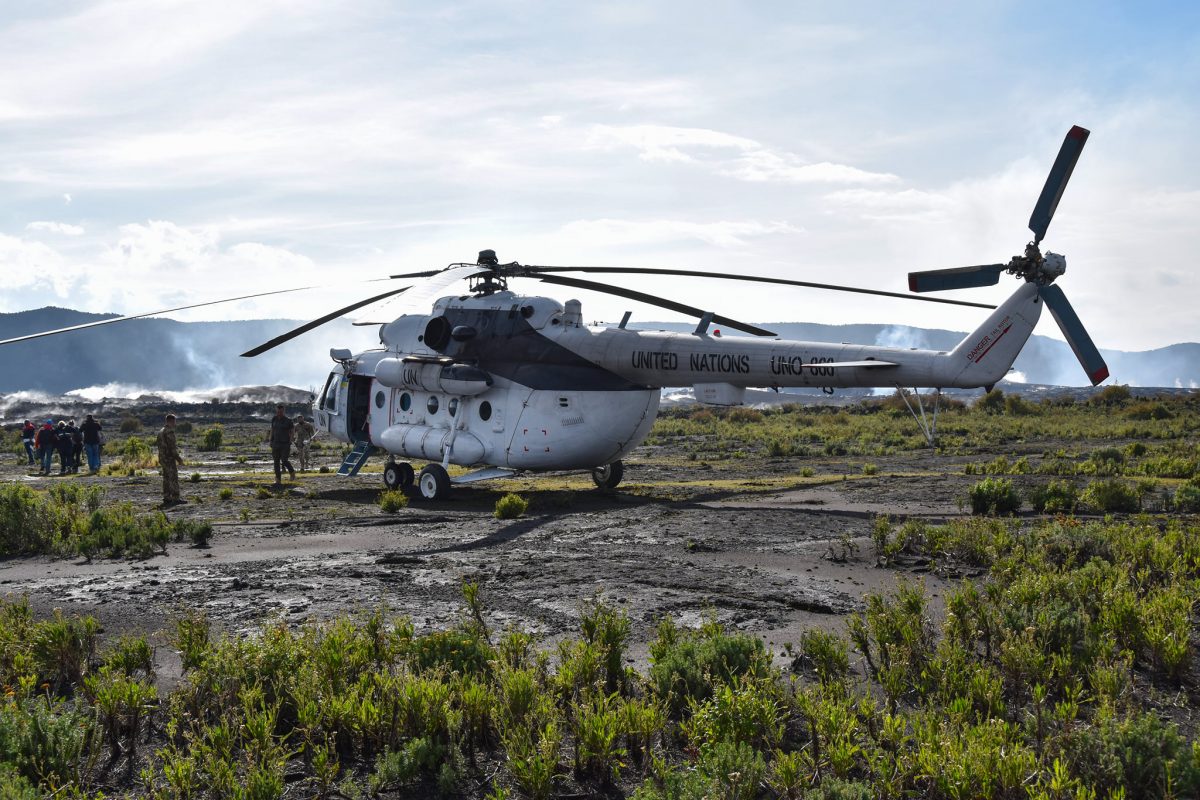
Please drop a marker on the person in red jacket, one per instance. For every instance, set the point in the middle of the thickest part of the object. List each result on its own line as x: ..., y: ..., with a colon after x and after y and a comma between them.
x: 47, y: 445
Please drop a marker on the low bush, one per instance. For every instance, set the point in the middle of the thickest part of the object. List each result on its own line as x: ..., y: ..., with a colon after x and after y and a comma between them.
x: 1112, y: 495
x: 1187, y: 498
x: 1055, y: 497
x: 213, y: 438
x: 226, y: 493
x: 995, y: 497
x: 689, y: 664
x: 130, y: 425
x: 510, y: 506
x: 393, y: 500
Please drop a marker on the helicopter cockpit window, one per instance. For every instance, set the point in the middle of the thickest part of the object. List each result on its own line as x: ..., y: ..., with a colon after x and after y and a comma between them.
x: 432, y: 405
x: 485, y: 411
x: 329, y: 395
x: 379, y: 399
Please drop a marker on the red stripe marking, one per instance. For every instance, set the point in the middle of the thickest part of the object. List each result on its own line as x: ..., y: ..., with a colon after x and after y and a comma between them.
x: 1099, y: 375
x: 993, y: 344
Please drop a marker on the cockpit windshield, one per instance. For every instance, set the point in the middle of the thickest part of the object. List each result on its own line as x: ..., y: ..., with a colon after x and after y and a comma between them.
x: 329, y: 394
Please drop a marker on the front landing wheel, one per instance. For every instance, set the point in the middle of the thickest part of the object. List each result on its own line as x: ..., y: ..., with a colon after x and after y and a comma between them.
x: 434, y: 482
x: 398, y: 475
x: 609, y: 476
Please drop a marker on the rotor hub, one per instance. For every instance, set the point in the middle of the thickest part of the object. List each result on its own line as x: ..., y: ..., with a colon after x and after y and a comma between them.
x: 1037, y: 268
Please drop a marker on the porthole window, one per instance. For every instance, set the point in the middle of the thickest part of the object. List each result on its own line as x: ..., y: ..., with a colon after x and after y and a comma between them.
x: 452, y: 406
x: 432, y: 405
x: 485, y: 411
x: 379, y: 399
x: 405, y: 401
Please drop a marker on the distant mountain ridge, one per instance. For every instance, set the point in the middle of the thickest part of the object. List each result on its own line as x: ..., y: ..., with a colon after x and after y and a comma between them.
x: 168, y: 355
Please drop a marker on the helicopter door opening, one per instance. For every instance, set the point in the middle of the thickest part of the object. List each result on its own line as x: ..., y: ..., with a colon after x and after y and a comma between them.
x: 359, y: 405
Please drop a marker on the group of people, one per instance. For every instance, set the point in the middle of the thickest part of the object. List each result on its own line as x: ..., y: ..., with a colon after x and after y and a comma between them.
x: 65, y: 439
x: 71, y: 443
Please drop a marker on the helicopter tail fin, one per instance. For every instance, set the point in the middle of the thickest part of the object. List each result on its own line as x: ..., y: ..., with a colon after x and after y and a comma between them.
x: 987, y: 353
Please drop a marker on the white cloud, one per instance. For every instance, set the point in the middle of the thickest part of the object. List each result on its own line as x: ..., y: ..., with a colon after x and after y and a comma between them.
x: 625, y: 232
x: 726, y: 154
x: 63, y: 228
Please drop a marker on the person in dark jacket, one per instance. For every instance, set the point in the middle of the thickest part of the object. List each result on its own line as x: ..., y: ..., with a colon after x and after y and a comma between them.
x: 76, y: 445
x: 66, y: 448
x: 28, y: 434
x: 283, y: 431
x: 47, y: 442
x: 91, y: 442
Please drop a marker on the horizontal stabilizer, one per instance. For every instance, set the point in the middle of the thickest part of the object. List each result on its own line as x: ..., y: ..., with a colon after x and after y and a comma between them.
x: 871, y: 363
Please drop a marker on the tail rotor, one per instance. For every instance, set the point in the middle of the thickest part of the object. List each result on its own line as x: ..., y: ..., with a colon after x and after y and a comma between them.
x: 1032, y: 265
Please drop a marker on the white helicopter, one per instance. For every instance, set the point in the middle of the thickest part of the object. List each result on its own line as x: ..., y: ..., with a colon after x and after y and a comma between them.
x: 505, y: 382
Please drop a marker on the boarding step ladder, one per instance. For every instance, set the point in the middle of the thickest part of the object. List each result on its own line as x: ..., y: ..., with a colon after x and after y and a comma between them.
x: 356, y: 458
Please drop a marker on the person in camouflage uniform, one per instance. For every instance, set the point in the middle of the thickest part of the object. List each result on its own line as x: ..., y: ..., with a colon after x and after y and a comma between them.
x: 305, y: 431
x: 169, y: 461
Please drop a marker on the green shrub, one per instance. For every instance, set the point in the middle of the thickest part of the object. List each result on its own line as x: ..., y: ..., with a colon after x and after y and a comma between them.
x: 689, y: 664
x: 510, y: 506
x: 393, y: 500
x: 991, y: 403
x: 28, y: 524
x: 1187, y: 498
x: 1148, y: 410
x: 994, y: 496
x: 213, y: 438
x: 130, y: 425
x: 1113, y: 395
x: 195, y: 477
x: 869, y: 469
x: 195, y: 531
x: 827, y: 654
x: 226, y: 493
x: 263, y: 493
x: 1056, y: 497
x: 1112, y: 495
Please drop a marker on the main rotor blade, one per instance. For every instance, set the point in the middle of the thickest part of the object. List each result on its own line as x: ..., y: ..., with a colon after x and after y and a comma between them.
x: 308, y: 326
x: 111, y: 320
x: 694, y: 273
x: 937, y: 280
x: 1056, y: 181
x: 1087, y: 353
x: 650, y: 299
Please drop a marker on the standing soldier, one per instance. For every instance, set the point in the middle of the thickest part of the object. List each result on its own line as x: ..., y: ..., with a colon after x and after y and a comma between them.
x: 305, y: 431
x: 283, y: 430
x: 169, y: 461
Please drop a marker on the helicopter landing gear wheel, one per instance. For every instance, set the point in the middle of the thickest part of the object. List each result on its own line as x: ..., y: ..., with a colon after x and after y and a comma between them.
x: 398, y: 475
x: 434, y: 482
x: 609, y: 476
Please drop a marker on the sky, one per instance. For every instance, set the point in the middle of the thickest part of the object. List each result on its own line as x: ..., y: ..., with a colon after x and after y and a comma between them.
x: 155, y: 153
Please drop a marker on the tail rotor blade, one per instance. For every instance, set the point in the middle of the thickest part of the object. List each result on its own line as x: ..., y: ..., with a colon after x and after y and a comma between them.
x: 937, y: 280
x: 1085, y: 350
x: 1056, y: 181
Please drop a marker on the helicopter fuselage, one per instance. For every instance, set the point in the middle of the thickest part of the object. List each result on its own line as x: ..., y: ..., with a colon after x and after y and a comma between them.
x: 520, y: 382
